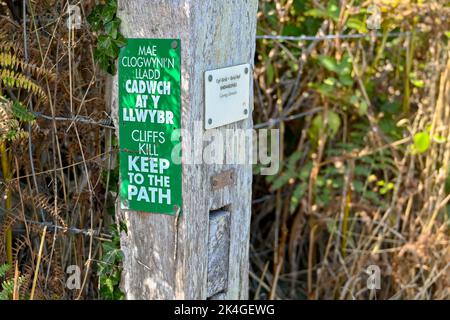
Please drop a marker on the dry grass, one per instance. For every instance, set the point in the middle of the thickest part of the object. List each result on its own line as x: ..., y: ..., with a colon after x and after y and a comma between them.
x: 63, y: 181
x: 320, y: 242
x: 320, y: 249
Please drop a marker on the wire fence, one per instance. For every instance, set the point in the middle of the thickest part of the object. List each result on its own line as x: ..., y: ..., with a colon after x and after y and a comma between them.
x: 108, y: 122
x: 332, y: 36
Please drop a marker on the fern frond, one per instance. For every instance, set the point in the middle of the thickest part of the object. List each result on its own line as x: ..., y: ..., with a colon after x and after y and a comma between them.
x: 8, y: 289
x: 17, y: 80
x: 6, y: 46
x: 12, y: 61
x: 4, y: 268
x: 21, y: 113
x: 44, y: 202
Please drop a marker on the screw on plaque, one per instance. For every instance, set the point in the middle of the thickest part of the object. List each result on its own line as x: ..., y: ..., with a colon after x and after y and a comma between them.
x: 210, y: 78
x: 245, y: 111
x: 174, y: 44
x: 209, y: 121
x: 246, y: 70
x: 125, y: 203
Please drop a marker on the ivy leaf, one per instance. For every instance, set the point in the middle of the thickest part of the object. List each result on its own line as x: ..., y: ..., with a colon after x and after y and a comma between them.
x: 101, y: 59
x: 94, y: 19
x: 421, y: 142
x: 112, y: 3
x: 112, y: 28
x: 107, y: 13
x: 106, y: 45
x: 120, y: 41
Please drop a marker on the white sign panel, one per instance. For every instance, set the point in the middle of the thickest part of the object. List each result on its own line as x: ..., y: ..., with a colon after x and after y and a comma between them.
x: 227, y: 95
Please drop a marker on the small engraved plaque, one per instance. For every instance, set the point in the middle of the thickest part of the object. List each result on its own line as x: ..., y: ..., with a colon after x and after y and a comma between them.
x: 227, y: 95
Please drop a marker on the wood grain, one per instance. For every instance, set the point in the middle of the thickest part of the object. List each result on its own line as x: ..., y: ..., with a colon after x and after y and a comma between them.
x: 218, y: 252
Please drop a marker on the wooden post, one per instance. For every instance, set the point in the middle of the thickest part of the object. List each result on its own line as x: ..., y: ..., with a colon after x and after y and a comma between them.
x: 204, y: 253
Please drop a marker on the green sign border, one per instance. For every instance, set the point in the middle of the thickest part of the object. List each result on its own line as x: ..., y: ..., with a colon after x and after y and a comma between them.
x: 166, y: 48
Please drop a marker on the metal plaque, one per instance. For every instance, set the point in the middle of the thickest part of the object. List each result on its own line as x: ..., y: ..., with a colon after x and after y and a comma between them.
x: 149, y: 123
x: 227, y: 95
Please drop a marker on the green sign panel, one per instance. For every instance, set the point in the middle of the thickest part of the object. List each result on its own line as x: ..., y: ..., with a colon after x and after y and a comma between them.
x: 149, y: 119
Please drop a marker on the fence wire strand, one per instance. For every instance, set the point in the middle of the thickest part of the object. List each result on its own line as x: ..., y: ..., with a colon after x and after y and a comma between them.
x: 108, y: 122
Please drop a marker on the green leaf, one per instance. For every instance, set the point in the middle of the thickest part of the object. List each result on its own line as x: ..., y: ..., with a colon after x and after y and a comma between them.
x: 101, y: 59
x: 355, y: 23
x: 418, y: 83
x: 329, y: 63
x: 21, y: 113
x: 439, y: 139
x: 120, y: 41
x: 330, y: 81
x: 331, y: 12
x: 94, y: 19
x: 4, y: 268
x: 112, y: 28
x: 421, y: 142
x: 106, y: 45
x: 363, y: 107
x: 107, y: 13
x: 334, y: 122
x: 318, y: 124
x: 112, y: 3
x: 269, y: 72
x: 346, y: 80
x: 317, y: 13
x: 298, y: 193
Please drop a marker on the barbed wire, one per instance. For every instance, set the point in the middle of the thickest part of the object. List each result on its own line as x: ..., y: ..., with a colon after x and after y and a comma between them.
x: 331, y: 36
x: 108, y: 123
x: 105, y: 122
x: 87, y: 232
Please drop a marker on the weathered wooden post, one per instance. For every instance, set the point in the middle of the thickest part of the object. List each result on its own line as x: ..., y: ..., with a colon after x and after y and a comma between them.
x: 200, y: 249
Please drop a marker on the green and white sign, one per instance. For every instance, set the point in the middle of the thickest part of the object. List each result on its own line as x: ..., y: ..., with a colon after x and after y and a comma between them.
x: 149, y: 112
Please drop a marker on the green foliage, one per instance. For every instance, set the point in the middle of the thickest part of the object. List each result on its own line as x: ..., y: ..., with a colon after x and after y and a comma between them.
x: 330, y: 127
x: 105, y: 23
x: 21, y: 113
x: 7, y: 288
x: 422, y: 142
x: 13, y: 115
x: 447, y: 183
x: 110, y: 268
x: 331, y: 11
x: 4, y: 268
